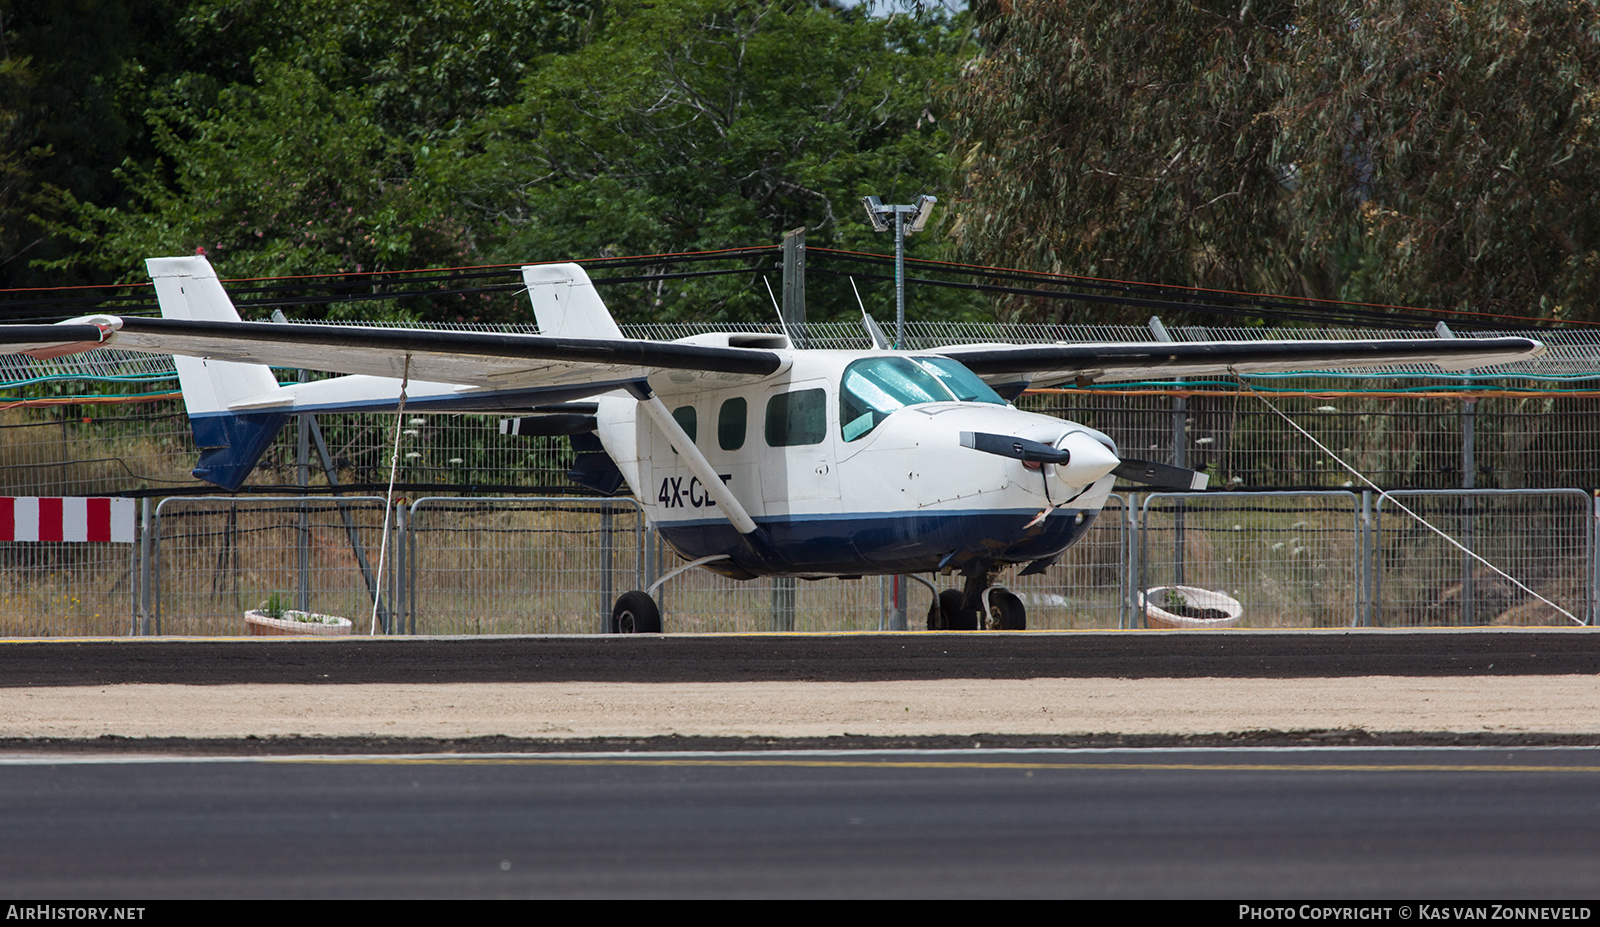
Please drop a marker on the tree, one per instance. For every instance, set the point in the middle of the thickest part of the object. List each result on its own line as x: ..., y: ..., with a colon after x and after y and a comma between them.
x: 294, y: 149
x: 1128, y: 140
x: 703, y: 124
x: 1450, y: 153
x: 1429, y: 153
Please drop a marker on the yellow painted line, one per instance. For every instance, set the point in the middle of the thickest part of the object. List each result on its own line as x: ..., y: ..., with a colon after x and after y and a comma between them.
x: 910, y: 764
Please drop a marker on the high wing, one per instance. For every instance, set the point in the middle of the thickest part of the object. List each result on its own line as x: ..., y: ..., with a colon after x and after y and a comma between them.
x: 236, y: 404
x: 479, y: 359
x: 1049, y: 365
x: 580, y: 351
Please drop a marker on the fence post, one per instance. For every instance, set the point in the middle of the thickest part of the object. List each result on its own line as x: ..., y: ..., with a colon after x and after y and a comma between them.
x: 607, y: 553
x: 1594, y: 561
x: 145, y: 549
x: 1130, y: 555
x: 399, y: 584
x: 153, y: 625
x: 1366, y: 561
x: 411, y: 569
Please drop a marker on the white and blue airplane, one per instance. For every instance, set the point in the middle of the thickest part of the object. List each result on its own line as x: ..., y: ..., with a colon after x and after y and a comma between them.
x: 750, y: 457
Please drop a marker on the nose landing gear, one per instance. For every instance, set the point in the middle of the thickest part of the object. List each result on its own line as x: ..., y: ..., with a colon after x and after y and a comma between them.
x: 978, y: 604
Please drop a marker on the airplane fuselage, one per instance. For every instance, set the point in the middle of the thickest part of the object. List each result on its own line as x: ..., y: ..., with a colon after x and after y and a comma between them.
x: 851, y: 463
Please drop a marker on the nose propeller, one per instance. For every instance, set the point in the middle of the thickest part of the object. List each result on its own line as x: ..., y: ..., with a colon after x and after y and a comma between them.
x: 1160, y: 475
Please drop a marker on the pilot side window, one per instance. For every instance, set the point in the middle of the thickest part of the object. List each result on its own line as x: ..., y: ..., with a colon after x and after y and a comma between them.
x: 731, y: 420
x: 797, y: 418
x: 874, y: 387
x: 688, y: 421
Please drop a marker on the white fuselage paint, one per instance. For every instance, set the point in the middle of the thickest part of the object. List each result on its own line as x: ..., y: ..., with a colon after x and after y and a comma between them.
x: 911, y: 463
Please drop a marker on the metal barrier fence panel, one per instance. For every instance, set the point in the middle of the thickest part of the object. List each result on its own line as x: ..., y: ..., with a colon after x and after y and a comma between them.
x: 1544, y: 538
x: 702, y: 601
x: 67, y: 588
x: 220, y: 557
x: 1087, y: 589
x: 536, y: 565
x: 1293, y: 560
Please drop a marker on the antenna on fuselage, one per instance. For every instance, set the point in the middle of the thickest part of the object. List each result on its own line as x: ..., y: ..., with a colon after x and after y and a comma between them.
x: 781, y: 324
x: 879, y: 339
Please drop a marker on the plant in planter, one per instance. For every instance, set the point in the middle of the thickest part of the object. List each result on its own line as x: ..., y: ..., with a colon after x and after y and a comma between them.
x: 1189, y: 607
x: 274, y: 619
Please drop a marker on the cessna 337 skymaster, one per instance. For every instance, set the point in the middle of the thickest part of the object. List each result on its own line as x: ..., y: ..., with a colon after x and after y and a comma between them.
x: 750, y: 457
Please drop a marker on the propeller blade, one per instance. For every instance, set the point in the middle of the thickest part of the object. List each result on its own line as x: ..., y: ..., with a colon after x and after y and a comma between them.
x: 1013, y: 447
x: 1165, y: 476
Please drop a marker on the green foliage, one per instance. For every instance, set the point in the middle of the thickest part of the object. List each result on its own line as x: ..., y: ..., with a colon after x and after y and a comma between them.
x: 1128, y: 140
x: 301, y: 158
x: 295, y: 137
x: 285, y: 177
x: 699, y: 125
x: 1430, y: 153
x: 1452, y: 151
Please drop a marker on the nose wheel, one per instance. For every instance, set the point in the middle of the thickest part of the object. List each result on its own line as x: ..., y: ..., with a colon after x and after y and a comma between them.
x: 960, y: 610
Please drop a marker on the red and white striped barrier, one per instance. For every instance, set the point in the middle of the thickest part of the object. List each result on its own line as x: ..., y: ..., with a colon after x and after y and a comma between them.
x: 71, y: 518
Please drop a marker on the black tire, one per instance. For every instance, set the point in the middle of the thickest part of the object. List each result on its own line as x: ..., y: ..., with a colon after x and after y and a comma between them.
x: 957, y: 617
x: 635, y: 613
x: 1006, y: 611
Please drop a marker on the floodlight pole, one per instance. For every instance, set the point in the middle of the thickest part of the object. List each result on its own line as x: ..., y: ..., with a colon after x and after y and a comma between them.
x: 877, y: 214
x: 899, y: 287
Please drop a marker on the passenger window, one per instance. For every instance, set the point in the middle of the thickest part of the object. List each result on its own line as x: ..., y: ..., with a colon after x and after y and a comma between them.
x: 687, y: 420
x: 797, y: 418
x: 731, y: 423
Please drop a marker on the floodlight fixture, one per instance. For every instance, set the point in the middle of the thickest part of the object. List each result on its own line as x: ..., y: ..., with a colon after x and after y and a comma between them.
x: 877, y: 213
x: 924, y: 208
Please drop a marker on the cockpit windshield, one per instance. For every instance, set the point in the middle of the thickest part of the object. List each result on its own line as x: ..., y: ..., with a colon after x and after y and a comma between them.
x: 876, y: 386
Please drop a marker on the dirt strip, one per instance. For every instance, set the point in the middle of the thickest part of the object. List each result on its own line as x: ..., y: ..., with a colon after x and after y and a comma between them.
x: 1557, y: 705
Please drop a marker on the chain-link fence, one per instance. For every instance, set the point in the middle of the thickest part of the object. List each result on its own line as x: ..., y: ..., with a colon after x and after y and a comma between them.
x: 215, y: 558
x: 545, y: 565
x: 1542, y: 538
x: 1293, y: 560
x: 519, y: 565
x: 68, y: 588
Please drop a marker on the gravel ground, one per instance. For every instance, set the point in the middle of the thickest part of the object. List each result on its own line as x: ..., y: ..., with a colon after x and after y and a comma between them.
x: 1554, y: 705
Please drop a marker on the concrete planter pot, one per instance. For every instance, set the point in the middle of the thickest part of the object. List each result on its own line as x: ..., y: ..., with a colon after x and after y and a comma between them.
x: 1156, y: 616
x: 259, y: 624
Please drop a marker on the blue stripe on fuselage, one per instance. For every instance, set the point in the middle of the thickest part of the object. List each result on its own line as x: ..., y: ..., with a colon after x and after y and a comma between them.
x: 879, y: 542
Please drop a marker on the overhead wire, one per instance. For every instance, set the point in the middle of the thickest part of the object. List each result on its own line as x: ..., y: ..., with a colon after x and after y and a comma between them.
x: 328, y: 289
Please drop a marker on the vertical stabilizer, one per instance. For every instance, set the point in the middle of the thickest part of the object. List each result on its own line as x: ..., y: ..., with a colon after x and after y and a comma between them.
x: 230, y: 444
x: 565, y: 302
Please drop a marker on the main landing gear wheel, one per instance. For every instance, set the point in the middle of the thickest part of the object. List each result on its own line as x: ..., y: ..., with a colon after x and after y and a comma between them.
x: 945, y: 609
x: 635, y: 613
x: 952, y: 613
x: 1006, y: 611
